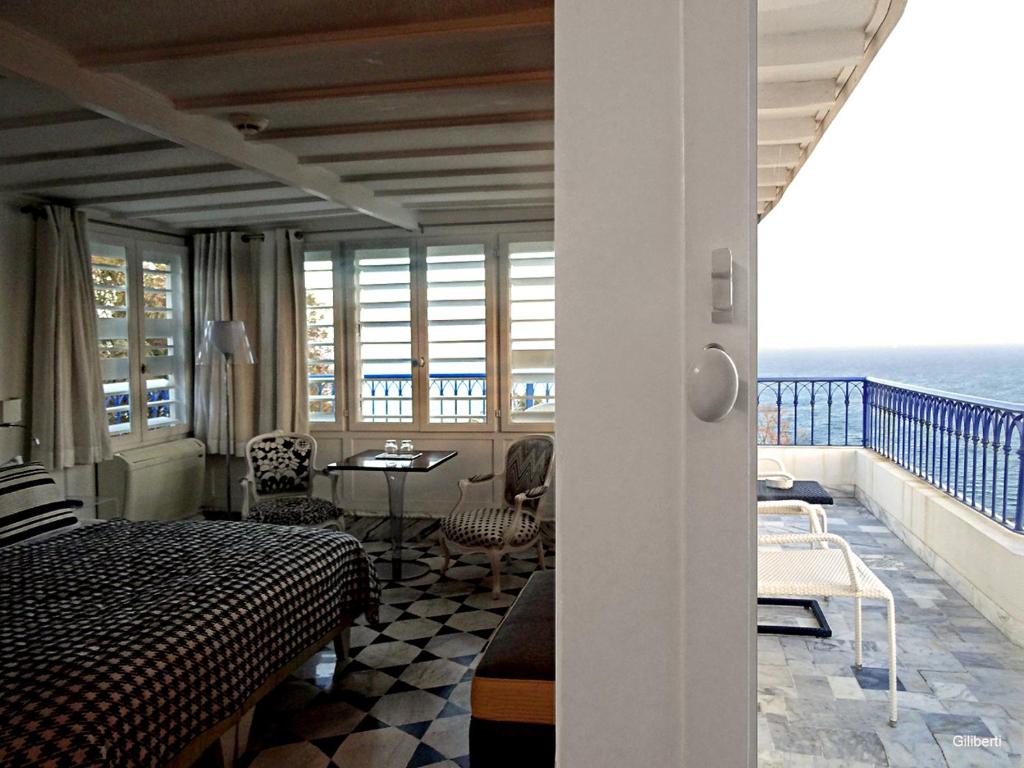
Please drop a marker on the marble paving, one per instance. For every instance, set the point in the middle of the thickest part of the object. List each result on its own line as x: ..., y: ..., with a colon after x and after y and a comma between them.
x: 961, y: 701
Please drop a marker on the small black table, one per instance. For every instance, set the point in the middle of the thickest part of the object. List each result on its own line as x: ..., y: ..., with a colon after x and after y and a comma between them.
x: 812, y: 492
x: 395, y: 471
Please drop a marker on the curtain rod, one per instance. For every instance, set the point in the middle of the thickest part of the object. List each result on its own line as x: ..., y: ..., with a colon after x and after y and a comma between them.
x: 38, y: 211
x: 260, y: 237
x: 35, y: 210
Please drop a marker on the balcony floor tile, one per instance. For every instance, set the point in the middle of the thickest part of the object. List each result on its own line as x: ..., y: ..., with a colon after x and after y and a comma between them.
x: 958, y: 675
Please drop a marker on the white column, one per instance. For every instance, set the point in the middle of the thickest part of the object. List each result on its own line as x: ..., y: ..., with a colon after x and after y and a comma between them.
x: 655, y: 556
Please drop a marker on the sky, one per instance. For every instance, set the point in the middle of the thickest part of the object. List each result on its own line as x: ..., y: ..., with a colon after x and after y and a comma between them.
x: 904, y: 226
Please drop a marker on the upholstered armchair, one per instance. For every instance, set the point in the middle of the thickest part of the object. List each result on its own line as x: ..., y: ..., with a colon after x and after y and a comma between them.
x: 278, y: 487
x: 511, y: 526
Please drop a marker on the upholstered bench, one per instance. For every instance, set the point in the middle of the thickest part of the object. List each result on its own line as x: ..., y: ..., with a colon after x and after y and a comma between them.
x: 513, y: 722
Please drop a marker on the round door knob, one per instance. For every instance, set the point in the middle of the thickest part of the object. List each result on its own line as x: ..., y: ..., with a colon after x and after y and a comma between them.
x: 713, y: 384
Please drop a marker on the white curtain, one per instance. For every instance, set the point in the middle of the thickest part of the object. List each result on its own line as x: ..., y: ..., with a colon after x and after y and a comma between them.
x: 224, y: 288
x: 69, y: 420
x: 282, y: 392
x: 261, y: 284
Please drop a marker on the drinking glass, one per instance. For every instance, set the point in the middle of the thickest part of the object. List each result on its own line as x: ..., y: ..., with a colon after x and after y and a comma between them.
x: 390, y: 446
x: 406, y: 446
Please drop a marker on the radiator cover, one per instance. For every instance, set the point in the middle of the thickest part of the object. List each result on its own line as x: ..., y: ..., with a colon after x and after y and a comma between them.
x: 157, y: 482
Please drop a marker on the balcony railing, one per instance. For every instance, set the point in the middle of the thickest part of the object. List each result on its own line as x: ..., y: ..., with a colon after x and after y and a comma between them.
x: 969, y: 448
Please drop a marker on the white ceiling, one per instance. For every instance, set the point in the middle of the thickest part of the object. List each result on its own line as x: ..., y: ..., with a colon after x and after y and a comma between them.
x: 382, y: 110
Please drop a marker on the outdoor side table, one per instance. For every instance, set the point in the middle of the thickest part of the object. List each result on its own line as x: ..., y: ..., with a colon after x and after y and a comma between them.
x: 395, y: 472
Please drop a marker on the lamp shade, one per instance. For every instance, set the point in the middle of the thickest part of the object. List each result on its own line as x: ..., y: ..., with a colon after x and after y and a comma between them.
x: 227, y: 338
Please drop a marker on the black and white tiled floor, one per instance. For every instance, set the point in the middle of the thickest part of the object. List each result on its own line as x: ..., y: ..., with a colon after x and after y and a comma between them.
x: 403, y: 699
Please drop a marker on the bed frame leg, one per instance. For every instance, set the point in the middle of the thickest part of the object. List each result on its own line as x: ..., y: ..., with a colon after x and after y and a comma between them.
x: 244, y: 728
x: 235, y: 740
x: 342, y: 646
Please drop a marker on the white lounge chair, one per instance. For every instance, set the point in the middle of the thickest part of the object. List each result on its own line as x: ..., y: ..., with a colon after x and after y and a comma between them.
x: 827, y: 571
x: 817, y: 519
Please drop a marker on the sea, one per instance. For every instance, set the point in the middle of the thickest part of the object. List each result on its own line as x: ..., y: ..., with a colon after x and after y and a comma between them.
x: 991, y: 372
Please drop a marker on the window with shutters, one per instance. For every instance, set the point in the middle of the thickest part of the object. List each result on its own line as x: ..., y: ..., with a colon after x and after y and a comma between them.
x: 141, y: 318
x: 384, y: 350
x: 321, y: 353
x: 432, y: 334
x: 456, y: 325
x: 531, y: 331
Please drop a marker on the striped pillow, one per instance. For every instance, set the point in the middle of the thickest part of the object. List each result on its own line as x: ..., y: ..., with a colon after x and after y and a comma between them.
x: 31, y: 504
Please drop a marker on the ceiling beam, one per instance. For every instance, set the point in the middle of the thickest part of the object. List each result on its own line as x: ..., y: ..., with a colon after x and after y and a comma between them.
x: 411, y: 154
x: 49, y: 118
x: 779, y: 156
x: 111, y: 178
x: 534, y: 18
x: 793, y: 130
x: 435, y: 191
x: 262, y: 186
x: 469, y: 204
x: 768, y: 177
x: 39, y: 61
x: 816, y: 94
x: 772, y: 6
x: 835, y: 46
x: 111, y: 150
x: 449, y: 173
x: 421, y: 124
x: 157, y: 212
x: 350, y: 90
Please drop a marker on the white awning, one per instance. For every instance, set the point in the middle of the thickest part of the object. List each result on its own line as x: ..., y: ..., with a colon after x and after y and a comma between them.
x: 811, y: 55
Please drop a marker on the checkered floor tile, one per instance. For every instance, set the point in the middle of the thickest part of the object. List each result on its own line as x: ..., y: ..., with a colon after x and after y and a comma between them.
x: 402, y: 701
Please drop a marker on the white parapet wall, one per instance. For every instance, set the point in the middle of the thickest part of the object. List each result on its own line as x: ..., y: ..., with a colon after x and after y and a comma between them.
x: 978, y: 557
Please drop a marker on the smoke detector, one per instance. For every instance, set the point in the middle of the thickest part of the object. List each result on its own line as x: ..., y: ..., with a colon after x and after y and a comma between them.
x: 248, y: 124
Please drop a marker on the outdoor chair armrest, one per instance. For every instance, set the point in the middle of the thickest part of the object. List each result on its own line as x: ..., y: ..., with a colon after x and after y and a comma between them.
x: 475, y: 479
x: 775, y: 474
x: 816, y: 517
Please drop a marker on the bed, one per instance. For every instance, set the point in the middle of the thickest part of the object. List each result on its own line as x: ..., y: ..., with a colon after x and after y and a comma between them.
x: 141, y: 644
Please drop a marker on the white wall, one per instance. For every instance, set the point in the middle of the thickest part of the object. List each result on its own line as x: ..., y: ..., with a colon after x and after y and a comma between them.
x: 655, y: 594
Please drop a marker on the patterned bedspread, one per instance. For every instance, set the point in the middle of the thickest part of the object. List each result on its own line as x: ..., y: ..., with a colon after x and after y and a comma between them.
x: 122, y: 642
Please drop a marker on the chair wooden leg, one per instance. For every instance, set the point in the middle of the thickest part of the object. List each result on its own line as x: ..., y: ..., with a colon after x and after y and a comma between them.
x: 540, y: 554
x: 447, y: 556
x: 495, y: 557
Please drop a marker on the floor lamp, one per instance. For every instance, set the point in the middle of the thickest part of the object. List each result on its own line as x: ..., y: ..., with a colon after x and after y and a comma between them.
x: 226, y: 340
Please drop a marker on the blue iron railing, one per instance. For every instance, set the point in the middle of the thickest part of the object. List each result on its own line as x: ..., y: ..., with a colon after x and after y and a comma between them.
x: 453, y: 397
x: 970, y: 448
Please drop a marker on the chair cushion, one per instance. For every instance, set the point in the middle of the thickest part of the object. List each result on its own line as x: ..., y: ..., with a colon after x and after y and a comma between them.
x: 526, y: 466
x: 281, y: 463
x: 31, y: 504
x: 485, y: 527
x: 293, y: 510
